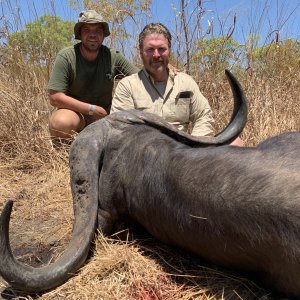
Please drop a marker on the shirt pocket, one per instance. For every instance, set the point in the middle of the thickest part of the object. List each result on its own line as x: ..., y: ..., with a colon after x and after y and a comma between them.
x: 182, y: 106
x: 143, y: 104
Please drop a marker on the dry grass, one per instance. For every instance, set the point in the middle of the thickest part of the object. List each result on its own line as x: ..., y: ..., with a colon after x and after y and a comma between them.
x: 274, y: 104
x: 144, y: 269
x: 126, y: 266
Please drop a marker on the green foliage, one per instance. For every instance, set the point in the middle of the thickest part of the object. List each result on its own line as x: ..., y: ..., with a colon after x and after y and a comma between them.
x: 275, y: 58
x: 112, y: 9
x: 217, y: 53
x: 40, y: 41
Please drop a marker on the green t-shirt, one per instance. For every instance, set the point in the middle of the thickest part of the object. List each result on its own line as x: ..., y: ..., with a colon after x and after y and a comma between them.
x: 89, y: 81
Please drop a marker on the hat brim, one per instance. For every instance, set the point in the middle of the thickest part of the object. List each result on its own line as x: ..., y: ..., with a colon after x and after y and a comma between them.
x: 78, y: 26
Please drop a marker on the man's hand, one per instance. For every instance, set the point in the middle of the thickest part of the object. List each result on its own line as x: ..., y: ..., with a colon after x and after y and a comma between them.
x: 99, y: 112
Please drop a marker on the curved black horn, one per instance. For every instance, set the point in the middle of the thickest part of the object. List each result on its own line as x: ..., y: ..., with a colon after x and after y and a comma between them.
x: 240, y: 112
x: 84, y: 185
x: 226, y: 136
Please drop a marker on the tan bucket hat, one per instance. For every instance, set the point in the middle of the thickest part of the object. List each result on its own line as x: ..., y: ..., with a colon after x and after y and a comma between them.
x: 90, y: 17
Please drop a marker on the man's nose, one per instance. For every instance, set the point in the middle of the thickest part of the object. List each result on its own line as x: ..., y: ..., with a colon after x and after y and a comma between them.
x: 93, y: 32
x: 156, y: 53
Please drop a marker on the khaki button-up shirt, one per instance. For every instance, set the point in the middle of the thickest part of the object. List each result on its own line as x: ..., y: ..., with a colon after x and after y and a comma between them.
x: 179, y: 100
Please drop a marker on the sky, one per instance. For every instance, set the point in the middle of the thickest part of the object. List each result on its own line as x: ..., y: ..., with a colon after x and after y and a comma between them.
x: 265, y: 17
x: 256, y: 16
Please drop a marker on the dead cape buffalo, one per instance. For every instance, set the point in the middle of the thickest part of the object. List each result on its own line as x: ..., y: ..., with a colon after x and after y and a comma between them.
x: 237, y: 207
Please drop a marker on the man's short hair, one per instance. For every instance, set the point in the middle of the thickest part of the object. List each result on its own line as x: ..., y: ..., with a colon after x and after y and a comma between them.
x: 158, y: 28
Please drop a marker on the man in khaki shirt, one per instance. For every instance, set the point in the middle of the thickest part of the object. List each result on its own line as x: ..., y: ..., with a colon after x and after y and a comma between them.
x: 174, y: 96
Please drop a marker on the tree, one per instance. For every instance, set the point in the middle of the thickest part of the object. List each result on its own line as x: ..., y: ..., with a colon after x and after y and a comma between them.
x: 277, y: 58
x: 40, y: 41
x: 217, y: 53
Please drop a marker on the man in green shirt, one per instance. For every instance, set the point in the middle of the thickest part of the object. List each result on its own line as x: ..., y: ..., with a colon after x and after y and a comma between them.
x: 82, y: 79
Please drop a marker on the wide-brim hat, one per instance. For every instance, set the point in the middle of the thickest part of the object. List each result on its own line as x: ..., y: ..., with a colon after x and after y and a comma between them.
x: 90, y: 17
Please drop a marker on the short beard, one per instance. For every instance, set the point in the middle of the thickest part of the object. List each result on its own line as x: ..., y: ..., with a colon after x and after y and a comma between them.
x: 157, y: 72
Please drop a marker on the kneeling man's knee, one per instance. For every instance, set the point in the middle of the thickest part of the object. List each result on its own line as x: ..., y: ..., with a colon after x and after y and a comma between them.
x: 64, y: 123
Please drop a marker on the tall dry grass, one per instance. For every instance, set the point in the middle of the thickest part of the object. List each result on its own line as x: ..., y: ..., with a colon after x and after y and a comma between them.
x: 274, y: 106
x: 126, y: 266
